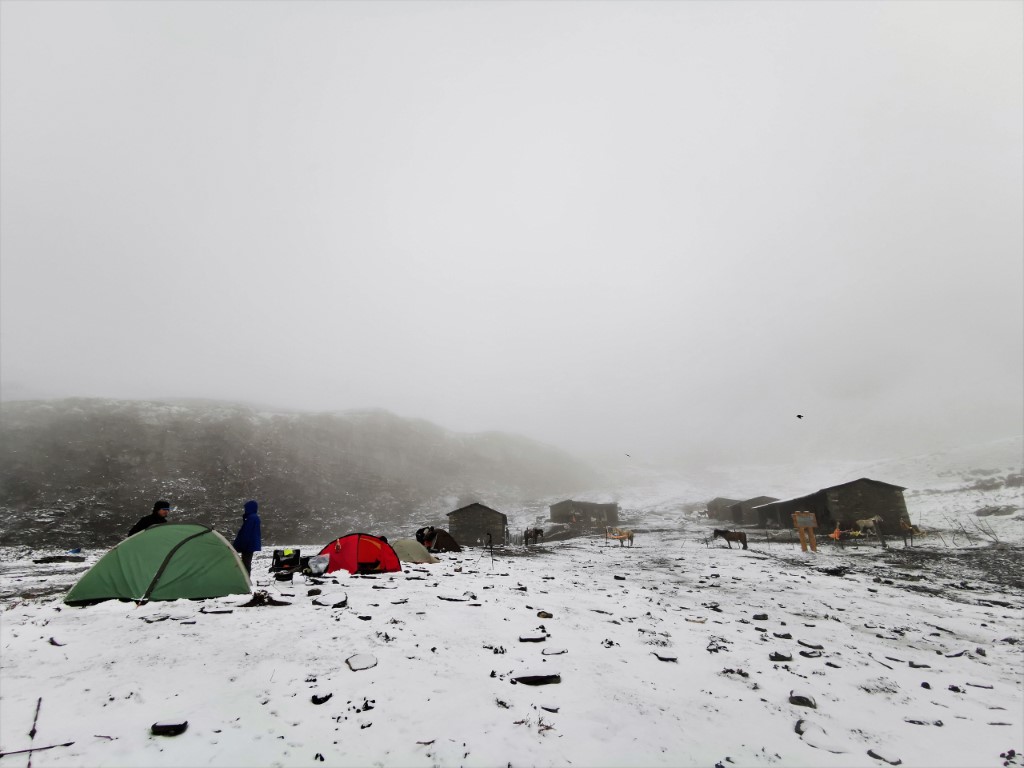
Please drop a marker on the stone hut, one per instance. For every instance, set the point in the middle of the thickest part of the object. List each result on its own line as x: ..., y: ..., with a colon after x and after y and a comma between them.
x: 470, y: 525
x: 742, y: 512
x: 843, y: 504
x: 587, y: 514
x: 718, y: 508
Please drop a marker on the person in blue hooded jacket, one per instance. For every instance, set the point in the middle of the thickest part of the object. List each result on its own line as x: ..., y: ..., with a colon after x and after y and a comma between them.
x: 248, y: 539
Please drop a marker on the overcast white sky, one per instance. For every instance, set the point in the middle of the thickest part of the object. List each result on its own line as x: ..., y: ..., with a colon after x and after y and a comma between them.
x: 659, y: 228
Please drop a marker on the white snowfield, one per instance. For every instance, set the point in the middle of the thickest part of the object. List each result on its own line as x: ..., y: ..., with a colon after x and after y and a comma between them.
x: 655, y: 655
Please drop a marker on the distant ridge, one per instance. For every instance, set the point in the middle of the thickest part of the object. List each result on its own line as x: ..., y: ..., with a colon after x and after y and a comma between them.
x: 81, y: 471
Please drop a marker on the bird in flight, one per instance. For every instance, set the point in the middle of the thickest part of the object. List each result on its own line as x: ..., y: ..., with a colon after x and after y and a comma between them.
x: 799, y: 415
x: 629, y: 456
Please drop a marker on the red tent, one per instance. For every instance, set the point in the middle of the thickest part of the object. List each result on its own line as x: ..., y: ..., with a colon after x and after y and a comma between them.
x: 361, y: 553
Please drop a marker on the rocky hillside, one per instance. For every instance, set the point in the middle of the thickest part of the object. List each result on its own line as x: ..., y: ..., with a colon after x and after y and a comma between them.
x: 80, y: 472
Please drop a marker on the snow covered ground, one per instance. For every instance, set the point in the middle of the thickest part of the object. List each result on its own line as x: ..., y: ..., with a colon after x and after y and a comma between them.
x: 676, y: 652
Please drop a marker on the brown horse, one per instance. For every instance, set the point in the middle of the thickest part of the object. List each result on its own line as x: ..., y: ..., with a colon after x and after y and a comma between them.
x: 622, y: 534
x: 532, y: 535
x: 739, y: 536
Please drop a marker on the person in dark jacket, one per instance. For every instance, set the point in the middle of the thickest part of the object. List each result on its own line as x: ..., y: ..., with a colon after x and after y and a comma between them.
x: 249, y: 539
x: 156, y: 517
x: 425, y: 536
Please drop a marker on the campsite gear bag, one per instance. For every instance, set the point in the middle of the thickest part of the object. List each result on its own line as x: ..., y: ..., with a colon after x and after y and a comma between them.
x: 318, y: 564
x: 286, y: 560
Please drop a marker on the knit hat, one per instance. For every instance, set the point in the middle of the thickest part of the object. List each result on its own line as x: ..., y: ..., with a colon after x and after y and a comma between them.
x: 161, y: 505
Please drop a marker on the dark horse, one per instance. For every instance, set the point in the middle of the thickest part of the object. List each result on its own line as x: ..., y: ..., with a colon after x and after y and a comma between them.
x: 739, y: 536
x: 532, y: 535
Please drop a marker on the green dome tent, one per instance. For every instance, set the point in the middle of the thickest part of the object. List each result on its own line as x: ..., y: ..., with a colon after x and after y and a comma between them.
x: 164, y: 562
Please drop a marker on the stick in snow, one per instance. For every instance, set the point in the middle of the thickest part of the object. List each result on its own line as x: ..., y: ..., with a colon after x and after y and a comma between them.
x: 35, y: 749
x: 32, y: 733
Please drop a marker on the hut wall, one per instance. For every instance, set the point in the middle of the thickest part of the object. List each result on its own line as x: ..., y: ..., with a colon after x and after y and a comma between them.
x: 742, y: 513
x: 843, y: 504
x: 718, y: 508
x: 861, y: 499
x: 470, y: 527
x: 780, y: 513
x: 562, y: 511
x: 585, y: 513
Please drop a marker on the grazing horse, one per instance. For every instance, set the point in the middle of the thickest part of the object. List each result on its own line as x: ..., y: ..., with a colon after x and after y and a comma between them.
x: 623, y: 535
x: 868, y: 523
x: 532, y: 535
x: 729, y: 536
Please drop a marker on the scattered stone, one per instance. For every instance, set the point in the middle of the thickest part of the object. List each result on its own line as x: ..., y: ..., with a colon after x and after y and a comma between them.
x: 811, y: 654
x: 812, y: 646
x: 544, y: 615
x: 915, y: 665
x: 926, y: 686
x: 553, y: 651
x: 760, y: 617
x: 816, y: 736
x: 783, y: 635
x: 538, y: 637
x: 361, y: 661
x: 660, y: 657
x: 331, y: 600
x: 839, y: 570
x: 937, y: 723
x: 262, y: 598
x: 168, y: 729
x: 776, y: 656
x: 313, y: 592
x: 318, y: 700
x: 537, y: 679
x: 620, y: 578
x: 890, y: 761
x: 717, y: 644
x: 802, y: 701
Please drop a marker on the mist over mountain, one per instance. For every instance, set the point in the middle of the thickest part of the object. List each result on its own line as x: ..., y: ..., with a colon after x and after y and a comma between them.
x: 80, y: 472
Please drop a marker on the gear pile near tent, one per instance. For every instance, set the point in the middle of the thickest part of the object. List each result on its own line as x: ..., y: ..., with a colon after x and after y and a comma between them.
x: 361, y: 553
x: 164, y: 562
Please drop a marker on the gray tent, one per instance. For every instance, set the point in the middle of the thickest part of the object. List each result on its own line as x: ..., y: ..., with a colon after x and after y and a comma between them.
x: 411, y: 551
